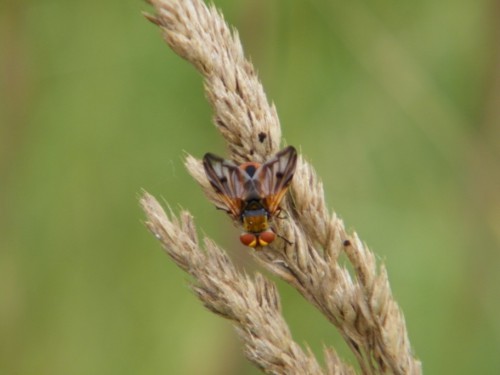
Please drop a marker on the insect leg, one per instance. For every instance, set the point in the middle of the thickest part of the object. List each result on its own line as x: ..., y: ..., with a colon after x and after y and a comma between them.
x: 223, y: 209
x: 290, y: 243
x: 280, y: 214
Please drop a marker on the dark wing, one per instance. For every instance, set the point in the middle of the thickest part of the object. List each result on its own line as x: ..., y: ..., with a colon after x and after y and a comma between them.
x: 271, y: 179
x: 228, y: 181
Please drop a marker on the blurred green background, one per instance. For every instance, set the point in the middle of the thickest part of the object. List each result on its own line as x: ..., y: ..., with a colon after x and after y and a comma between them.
x: 396, y: 103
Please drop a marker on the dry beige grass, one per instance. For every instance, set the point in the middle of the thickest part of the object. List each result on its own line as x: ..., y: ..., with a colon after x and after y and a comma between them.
x: 360, y: 305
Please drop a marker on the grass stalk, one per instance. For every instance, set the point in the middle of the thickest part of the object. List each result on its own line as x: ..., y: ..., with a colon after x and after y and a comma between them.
x: 360, y: 305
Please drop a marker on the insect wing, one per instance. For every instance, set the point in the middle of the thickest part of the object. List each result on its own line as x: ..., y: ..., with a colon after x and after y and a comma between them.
x: 273, y: 177
x: 228, y: 181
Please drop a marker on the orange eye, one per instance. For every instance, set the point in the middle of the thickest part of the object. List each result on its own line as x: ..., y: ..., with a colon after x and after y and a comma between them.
x: 248, y: 239
x: 265, y: 238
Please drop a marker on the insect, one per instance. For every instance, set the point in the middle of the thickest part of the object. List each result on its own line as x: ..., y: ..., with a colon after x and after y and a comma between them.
x: 252, y: 192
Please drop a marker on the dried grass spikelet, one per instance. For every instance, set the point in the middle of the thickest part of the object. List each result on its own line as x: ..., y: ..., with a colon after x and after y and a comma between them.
x: 251, y: 303
x: 242, y: 113
x: 360, y: 305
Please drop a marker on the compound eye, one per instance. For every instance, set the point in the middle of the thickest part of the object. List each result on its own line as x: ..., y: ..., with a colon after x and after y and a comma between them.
x: 265, y: 238
x: 248, y: 239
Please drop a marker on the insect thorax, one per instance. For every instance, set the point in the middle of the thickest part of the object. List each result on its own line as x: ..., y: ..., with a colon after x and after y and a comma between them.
x: 255, y: 217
